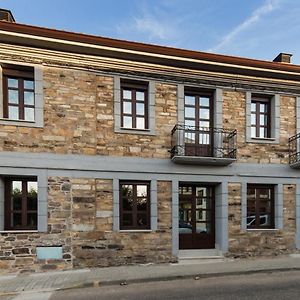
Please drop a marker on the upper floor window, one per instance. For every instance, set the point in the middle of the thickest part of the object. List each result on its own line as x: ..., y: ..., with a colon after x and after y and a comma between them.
x: 135, y: 205
x: 18, y: 95
x: 260, y: 206
x: 260, y: 117
x: 134, y: 105
x: 20, y: 198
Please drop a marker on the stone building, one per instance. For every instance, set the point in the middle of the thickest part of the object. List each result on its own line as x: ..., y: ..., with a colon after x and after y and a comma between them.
x: 116, y: 152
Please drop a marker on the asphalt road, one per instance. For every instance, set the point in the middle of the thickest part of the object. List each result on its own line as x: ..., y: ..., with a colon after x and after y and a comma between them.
x: 281, y: 285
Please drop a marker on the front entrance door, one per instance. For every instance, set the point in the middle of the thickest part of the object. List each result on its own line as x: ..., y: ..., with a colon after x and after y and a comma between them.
x: 196, y: 217
x: 198, y: 121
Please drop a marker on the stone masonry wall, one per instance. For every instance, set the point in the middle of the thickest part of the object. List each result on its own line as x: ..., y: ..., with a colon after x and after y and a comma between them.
x: 234, y: 117
x: 265, y: 242
x: 80, y: 220
x: 79, y: 119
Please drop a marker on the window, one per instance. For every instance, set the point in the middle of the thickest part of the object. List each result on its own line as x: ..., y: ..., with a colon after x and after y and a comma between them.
x: 20, y: 198
x: 134, y: 105
x: 260, y: 206
x: 19, y: 94
x: 134, y: 205
x: 260, y: 117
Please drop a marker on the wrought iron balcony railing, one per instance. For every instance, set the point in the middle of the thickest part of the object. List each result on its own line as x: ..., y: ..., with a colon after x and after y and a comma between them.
x: 294, y: 150
x: 204, y: 142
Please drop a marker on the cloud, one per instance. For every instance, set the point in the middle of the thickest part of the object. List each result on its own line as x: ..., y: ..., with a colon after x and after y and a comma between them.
x: 257, y: 14
x: 152, y: 24
x: 153, y: 27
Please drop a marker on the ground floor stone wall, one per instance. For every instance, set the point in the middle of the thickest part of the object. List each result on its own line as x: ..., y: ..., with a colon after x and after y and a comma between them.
x: 80, y: 220
x: 251, y: 243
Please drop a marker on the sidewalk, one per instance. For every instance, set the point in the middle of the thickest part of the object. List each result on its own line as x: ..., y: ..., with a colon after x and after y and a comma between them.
x: 52, y: 281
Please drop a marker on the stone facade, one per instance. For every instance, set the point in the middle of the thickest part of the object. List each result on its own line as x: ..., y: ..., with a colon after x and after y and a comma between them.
x: 87, y: 157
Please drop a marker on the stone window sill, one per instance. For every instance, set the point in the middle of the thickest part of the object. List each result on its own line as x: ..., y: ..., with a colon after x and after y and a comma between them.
x: 136, y: 231
x: 18, y: 231
x: 135, y: 131
x: 258, y: 140
x: 21, y: 123
x: 263, y: 230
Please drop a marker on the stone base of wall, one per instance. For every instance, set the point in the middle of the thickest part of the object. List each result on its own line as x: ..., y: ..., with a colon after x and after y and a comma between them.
x: 80, y: 221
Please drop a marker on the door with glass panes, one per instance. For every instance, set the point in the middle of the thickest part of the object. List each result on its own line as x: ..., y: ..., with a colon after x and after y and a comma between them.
x: 196, y: 217
x: 198, y: 121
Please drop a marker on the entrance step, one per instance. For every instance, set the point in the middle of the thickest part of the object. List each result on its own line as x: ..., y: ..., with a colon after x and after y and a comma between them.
x: 200, y: 256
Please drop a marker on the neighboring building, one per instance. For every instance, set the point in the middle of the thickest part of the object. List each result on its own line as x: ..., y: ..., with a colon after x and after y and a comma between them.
x: 115, y: 152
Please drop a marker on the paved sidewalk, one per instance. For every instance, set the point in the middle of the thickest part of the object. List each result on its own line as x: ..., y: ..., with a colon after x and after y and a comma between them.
x: 52, y: 281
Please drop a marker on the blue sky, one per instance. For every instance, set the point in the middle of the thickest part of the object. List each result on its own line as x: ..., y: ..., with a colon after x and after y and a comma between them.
x: 250, y: 28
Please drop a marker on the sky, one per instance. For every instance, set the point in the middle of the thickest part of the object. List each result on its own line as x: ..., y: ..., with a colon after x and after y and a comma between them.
x: 258, y: 29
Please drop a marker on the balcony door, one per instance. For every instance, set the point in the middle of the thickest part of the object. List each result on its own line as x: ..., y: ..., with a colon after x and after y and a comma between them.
x: 196, y: 217
x: 198, y: 121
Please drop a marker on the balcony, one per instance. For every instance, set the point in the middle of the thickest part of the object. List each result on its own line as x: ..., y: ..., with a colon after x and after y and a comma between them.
x: 203, y: 146
x: 294, y: 151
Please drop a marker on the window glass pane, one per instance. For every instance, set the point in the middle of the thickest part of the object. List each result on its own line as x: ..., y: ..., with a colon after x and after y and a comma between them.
x: 32, y: 220
x: 29, y: 98
x: 189, y: 112
x: 29, y: 114
x: 140, y: 123
x: 261, y: 132
x: 17, y: 195
x: 185, y: 190
x: 140, y: 96
x: 203, y: 227
x: 204, y: 113
x: 262, y: 107
x: 127, y: 107
x: 204, y: 138
x: 201, y: 191
x: 127, y: 94
x: 189, y: 100
x: 140, y: 109
x: 32, y: 195
x: 253, y: 107
x: 12, y: 82
x: 253, y: 119
x: 141, y: 190
x: 204, y: 101
x: 265, y: 219
x: 189, y: 123
x: 127, y: 190
x: 13, y: 112
x: 13, y: 96
x: 262, y: 120
x: 127, y: 203
x: 28, y: 84
x: 127, y: 220
x: 127, y: 122
x: 251, y: 193
x: 142, y: 220
x: 189, y: 137
x: 204, y: 125
x: 253, y: 131
x: 16, y: 219
x: 141, y: 204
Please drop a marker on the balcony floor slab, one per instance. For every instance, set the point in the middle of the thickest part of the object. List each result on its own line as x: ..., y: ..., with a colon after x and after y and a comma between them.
x: 205, y: 161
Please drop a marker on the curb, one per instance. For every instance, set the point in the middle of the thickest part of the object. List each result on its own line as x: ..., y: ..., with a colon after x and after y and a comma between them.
x: 96, y: 283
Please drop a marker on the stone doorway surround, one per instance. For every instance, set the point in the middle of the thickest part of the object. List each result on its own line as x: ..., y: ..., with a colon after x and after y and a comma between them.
x: 221, y: 217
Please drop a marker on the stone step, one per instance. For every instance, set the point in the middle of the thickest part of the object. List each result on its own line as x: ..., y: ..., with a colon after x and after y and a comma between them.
x: 199, y: 253
x: 199, y: 256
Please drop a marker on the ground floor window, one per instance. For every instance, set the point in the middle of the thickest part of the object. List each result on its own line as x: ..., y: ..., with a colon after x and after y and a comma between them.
x: 21, y: 200
x: 134, y: 205
x: 260, y: 206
